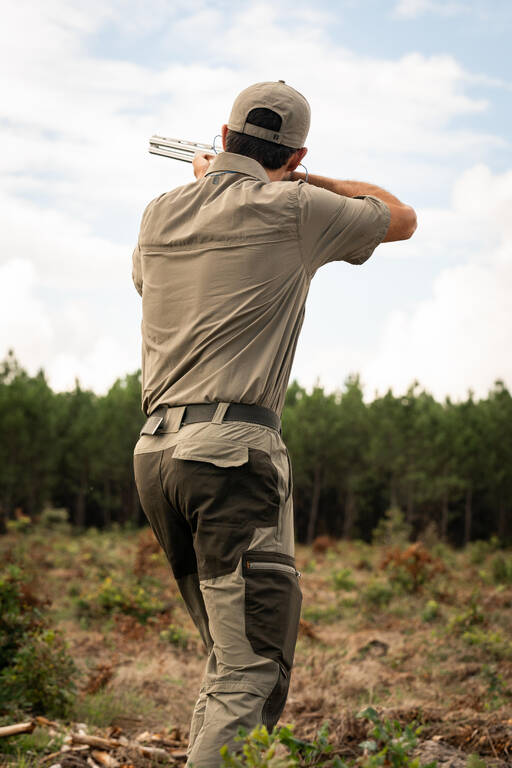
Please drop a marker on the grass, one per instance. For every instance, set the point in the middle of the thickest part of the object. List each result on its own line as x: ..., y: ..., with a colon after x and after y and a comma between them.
x: 112, y: 596
x: 104, y: 708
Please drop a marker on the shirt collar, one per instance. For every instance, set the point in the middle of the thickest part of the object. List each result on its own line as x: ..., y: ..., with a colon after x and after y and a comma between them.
x: 229, y: 161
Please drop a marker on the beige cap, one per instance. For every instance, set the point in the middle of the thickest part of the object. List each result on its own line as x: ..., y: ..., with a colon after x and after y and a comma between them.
x: 289, y: 104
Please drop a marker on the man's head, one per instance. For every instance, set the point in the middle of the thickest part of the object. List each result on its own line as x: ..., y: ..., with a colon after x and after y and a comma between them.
x: 269, y: 122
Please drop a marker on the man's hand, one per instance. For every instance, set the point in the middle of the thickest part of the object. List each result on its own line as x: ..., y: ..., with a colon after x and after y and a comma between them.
x: 201, y: 163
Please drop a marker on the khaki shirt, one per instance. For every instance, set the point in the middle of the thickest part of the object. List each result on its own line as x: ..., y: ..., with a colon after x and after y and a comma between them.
x: 224, y: 265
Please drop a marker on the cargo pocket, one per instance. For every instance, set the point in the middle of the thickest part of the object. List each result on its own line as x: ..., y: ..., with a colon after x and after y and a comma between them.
x: 272, y: 612
x: 218, y: 452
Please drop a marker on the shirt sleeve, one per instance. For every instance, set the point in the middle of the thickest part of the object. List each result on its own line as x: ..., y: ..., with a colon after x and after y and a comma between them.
x: 137, y: 269
x: 337, y: 228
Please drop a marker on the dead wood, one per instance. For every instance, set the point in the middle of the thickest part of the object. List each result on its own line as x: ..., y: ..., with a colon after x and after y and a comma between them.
x: 12, y: 730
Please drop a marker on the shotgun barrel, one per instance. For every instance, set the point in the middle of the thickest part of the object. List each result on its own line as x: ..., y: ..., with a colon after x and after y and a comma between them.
x: 178, y: 149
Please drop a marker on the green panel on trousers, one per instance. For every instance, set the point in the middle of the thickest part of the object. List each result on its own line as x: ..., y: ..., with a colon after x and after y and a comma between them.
x: 272, y: 606
x: 200, y: 510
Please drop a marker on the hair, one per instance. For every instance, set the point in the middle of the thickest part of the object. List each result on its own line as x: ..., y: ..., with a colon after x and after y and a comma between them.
x: 270, y: 155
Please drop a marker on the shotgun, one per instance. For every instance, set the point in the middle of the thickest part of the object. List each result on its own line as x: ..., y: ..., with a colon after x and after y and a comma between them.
x: 178, y: 149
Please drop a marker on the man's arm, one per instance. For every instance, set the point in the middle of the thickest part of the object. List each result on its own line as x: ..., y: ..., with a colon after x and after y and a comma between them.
x: 403, y: 218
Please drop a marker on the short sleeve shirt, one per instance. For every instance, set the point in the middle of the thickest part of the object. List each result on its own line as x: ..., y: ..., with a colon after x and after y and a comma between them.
x: 224, y: 266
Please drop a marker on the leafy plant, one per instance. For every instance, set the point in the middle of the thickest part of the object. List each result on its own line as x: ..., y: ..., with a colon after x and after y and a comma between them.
x: 389, y: 744
x: 377, y: 594
x: 392, y: 529
x: 111, y: 598
x: 431, y: 611
x: 501, y: 569
x: 175, y: 636
x: 342, y: 580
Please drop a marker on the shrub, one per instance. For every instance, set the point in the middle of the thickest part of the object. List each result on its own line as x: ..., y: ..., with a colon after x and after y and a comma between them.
x: 55, y: 518
x: 41, y: 676
x: 110, y: 598
x: 36, y: 672
x: 501, y: 569
x: 466, y: 620
x: 389, y: 744
x: 19, y: 613
x: 410, y: 568
x: 342, y: 580
x: 377, y: 594
x: 392, y: 529
x: 493, y: 643
x: 431, y: 611
x: 175, y: 636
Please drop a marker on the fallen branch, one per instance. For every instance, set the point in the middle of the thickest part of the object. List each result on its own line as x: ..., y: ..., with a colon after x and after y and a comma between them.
x: 11, y: 730
x: 95, y: 741
x: 154, y: 752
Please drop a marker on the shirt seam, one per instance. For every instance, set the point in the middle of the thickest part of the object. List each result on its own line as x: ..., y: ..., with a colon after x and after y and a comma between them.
x: 299, y: 240
x: 381, y: 232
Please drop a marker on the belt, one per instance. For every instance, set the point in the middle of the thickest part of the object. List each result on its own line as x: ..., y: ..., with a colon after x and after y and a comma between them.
x: 197, y: 412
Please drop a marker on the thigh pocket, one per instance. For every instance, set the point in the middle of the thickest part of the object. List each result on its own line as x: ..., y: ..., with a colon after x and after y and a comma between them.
x: 272, y: 612
x: 272, y: 604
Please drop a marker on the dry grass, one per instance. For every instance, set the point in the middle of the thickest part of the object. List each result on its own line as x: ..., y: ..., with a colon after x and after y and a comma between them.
x: 369, y: 636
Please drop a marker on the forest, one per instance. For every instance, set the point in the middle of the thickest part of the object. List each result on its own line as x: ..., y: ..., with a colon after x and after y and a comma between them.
x: 447, y: 466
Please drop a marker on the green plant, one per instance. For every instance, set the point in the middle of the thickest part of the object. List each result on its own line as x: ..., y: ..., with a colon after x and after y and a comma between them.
x: 501, y: 569
x: 464, y: 621
x: 36, y: 672
x: 342, y: 580
x: 104, y: 707
x: 27, y: 748
x: 55, y: 518
x: 475, y: 761
x: 431, y: 611
x: 21, y: 524
x: 497, y: 690
x: 390, y: 743
x: 392, y: 529
x: 279, y: 749
x: 41, y: 676
x: 175, y: 636
x: 377, y: 594
x: 110, y: 598
x: 19, y: 613
x: 493, y: 643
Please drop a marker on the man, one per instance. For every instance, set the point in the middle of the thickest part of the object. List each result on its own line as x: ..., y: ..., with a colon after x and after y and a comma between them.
x: 223, y: 265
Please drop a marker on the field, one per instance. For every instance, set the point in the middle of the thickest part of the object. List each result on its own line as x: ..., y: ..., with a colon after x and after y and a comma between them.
x: 417, y: 632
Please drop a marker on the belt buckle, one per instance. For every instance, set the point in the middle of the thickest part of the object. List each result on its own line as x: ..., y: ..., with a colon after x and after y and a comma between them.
x: 153, y: 422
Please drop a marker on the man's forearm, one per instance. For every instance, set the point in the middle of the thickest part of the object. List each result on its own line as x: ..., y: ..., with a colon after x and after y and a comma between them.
x: 348, y: 188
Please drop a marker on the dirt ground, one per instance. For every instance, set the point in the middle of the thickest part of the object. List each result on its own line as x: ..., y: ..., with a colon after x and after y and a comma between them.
x: 426, y: 638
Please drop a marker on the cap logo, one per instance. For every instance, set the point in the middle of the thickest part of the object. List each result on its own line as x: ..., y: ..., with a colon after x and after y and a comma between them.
x: 276, y: 137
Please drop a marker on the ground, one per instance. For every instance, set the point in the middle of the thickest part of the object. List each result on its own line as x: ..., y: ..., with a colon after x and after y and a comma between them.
x: 424, y: 636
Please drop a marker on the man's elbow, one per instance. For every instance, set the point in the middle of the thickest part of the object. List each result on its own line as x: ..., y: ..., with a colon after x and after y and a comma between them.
x: 410, y: 223
x: 403, y: 223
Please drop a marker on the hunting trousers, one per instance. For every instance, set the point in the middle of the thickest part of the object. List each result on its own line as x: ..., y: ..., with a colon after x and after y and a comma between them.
x: 218, y: 498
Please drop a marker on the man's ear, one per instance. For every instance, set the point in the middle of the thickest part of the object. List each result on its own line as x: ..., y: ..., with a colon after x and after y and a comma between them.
x: 224, y: 133
x: 296, y: 159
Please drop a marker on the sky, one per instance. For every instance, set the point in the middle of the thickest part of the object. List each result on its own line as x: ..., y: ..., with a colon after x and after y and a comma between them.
x: 412, y: 95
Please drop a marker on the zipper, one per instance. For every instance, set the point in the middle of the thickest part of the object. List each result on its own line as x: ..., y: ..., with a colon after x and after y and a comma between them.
x: 256, y: 565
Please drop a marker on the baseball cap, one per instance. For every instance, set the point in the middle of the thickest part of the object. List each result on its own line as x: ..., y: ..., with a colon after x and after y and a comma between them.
x: 289, y: 104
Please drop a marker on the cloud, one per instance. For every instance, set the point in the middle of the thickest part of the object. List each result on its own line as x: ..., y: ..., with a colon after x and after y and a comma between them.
x: 412, y: 8
x: 460, y: 337
x: 76, y: 173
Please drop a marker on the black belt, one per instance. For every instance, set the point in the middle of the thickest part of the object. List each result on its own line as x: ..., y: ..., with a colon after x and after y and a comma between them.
x: 197, y: 412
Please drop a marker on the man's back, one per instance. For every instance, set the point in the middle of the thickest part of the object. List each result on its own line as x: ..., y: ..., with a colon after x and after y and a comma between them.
x: 226, y: 264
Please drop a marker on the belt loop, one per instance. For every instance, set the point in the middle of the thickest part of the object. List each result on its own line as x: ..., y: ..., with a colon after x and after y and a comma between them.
x: 220, y: 412
x: 174, y: 418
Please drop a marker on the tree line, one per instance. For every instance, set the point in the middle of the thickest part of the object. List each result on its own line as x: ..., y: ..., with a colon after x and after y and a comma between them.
x: 444, y: 464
